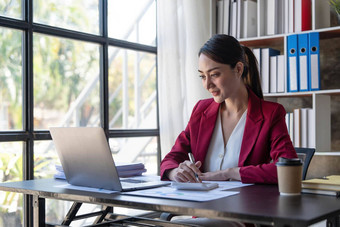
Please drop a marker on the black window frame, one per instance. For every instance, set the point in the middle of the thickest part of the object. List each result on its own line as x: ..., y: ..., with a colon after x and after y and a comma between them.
x: 28, y: 135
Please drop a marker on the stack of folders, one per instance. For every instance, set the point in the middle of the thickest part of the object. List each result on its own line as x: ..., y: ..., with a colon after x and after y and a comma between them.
x: 251, y: 18
x: 237, y: 18
x: 329, y: 185
x: 124, y: 170
x: 272, y: 70
x: 303, y: 62
x: 301, y: 127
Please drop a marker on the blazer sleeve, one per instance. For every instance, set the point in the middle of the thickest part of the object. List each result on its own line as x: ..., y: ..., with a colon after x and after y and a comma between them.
x: 179, y: 152
x: 273, y: 142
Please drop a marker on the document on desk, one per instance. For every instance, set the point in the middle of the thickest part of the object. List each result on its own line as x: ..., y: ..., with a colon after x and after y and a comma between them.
x: 191, y: 195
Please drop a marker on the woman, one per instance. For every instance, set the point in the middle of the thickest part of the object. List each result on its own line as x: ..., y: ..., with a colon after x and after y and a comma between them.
x: 236, y: 135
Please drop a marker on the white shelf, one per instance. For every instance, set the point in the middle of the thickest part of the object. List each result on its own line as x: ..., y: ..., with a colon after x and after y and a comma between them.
x: 324, y: 32
x: 305, y: 93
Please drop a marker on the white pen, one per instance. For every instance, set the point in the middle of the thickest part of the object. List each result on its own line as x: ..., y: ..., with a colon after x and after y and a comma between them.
x: 192, y: 160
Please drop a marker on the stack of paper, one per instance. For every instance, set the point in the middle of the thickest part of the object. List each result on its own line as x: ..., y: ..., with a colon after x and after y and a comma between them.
x: 130, y: 169
x: 329, y: 185
x: 123, y: 169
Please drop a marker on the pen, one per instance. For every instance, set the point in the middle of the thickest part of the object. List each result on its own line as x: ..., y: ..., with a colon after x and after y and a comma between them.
x: 192, y: 160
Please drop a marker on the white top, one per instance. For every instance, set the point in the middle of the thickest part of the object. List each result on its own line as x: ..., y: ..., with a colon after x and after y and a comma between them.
x: 220, y: 157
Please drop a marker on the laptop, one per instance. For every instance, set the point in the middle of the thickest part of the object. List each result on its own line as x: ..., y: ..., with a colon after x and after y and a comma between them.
x: 87, y: 161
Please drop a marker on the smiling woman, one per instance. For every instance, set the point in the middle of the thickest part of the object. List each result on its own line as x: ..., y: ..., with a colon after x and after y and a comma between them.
x: 236, y: 135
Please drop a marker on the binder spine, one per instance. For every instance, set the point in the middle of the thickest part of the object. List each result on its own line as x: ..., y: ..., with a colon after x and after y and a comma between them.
x: 292, y: 64
x: 314, y: 61
x: 303, y: 55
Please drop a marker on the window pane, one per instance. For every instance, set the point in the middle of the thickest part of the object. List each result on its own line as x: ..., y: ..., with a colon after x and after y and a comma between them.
x: 80, y: 15
x: 132, y: 89
x: 11, y: 204
x: 11, y: 8
x: 10, y: 79
x: 45, y: 159
x: 66, y: 82
x: 133, y: 20
x: 136, y: 149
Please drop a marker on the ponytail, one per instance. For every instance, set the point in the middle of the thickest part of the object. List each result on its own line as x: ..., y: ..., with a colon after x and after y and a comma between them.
x: 251, y: 76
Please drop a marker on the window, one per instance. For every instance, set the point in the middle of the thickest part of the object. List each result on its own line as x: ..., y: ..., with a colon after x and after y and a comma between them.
x: 74, y: 63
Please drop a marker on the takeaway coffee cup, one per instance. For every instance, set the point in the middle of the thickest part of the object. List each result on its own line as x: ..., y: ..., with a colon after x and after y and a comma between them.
x: 289, y: 173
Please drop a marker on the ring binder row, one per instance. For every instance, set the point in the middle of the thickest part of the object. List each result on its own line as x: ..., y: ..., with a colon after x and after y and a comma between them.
x: 303, y: 62
x: 302, y: 72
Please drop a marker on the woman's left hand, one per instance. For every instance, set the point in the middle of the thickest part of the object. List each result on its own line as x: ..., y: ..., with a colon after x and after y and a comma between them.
x: 222, y: 175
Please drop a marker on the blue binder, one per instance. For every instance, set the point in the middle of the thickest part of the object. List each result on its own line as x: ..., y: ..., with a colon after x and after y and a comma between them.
x: 303, y: 55
x: 292, y: 64
x: 314, y: 61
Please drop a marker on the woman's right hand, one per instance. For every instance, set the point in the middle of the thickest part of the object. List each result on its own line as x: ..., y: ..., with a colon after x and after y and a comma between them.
x: 185, y: 172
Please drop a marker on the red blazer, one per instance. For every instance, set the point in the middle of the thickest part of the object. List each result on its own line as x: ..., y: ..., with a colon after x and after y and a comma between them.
x: 265, y: 139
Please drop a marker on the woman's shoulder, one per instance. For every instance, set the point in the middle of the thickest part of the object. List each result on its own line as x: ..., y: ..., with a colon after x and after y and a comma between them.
x: 269, y: 106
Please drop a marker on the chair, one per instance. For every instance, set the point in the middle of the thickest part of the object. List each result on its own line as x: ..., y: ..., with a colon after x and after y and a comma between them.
x: 306, y: 155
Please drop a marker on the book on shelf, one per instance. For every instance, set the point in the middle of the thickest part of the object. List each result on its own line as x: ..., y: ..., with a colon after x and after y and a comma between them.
x: 331, y: 182
x: 302, y: 15
x: 301, y: 127
x: 304, y: 127
x: 320, y: 192
x: 220, y: 17
x: 239, y: 25
x: 281, y: 74
x: 249, y: 19
x: 311, y: 128
x: 272, y: 17
x: 290, y: 16
x: 266, y: 53
x: 273, y: 74
x: 297, y: 128
x: 233, y: 18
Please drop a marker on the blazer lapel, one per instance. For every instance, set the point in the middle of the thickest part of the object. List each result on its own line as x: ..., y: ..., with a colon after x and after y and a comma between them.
x: 253, y: 126
x: 206, y: 129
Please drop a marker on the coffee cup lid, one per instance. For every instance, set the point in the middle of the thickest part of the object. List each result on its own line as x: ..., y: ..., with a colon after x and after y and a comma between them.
x: 289, y: 162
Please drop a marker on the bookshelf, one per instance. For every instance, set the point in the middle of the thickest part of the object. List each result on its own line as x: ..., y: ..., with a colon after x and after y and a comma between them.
x: 325, y: 103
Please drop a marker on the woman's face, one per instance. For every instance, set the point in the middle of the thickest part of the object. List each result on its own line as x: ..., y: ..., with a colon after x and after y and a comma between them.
x: 219, y: 79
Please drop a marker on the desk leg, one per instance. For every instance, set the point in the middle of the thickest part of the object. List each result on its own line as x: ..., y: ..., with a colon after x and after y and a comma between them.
x: 38, y: 211
x: 71, y: 213
x: 333, y: 222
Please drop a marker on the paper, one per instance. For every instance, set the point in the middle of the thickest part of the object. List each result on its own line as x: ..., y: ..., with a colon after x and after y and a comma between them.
x: 172, y: 193
x: 192, y: 195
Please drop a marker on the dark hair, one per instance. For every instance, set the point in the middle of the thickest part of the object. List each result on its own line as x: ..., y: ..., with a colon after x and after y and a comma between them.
x: 226, y: 49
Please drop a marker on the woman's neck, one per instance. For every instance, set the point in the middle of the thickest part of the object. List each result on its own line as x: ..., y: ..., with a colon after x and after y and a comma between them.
x: 236, y: 104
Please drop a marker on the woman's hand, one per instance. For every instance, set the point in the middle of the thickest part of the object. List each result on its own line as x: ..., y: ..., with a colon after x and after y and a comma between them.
x: 185, y: 172
x: 222, y: 175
